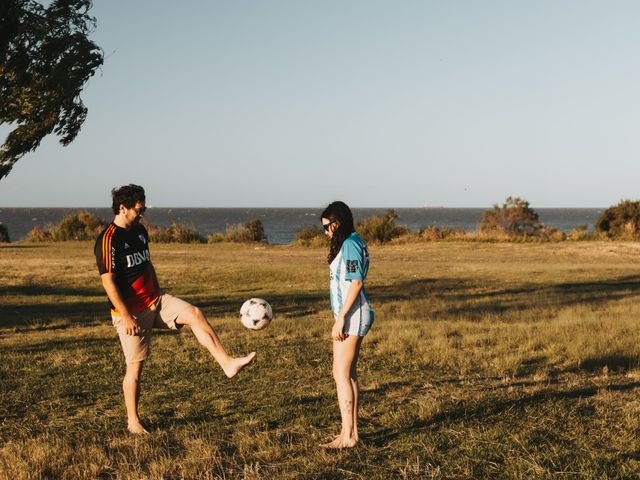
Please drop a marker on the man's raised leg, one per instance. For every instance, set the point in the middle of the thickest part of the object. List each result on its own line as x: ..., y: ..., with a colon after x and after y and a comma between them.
x: 207, y: 337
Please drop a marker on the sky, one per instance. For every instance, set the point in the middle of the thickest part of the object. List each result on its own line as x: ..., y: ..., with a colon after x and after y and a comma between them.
x: 296, y: 103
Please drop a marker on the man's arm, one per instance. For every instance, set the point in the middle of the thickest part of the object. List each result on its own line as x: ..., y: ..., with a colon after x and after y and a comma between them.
x: 155, y: 277
x: 109, y: 284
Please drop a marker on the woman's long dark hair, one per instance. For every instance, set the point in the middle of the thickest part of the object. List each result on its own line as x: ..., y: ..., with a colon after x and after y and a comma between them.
x: 341, y: 213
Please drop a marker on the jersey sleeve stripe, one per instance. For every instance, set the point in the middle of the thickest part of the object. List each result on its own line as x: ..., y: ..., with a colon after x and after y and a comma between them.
x: 106, y: 248
x: 104, y: 239
x: 109, y: 258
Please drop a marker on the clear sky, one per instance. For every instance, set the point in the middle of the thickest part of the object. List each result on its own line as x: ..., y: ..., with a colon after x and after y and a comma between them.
x: 296, y: 103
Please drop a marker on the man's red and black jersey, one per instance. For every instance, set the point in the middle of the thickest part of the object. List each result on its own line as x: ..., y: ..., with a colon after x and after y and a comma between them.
x: 125, y: 253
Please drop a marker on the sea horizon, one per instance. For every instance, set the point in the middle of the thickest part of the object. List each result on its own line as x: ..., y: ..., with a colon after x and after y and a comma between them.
x: 281, y: 223
x: 320, y: 207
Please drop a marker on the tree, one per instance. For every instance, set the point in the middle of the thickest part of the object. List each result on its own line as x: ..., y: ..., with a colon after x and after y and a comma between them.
x: 381, y: 228
x: 620, y: 220
x: 45, y: 60
x: 4, y: 234
x: 515, y: 217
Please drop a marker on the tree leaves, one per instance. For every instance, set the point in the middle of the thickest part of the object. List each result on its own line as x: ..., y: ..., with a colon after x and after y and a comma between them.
x: 514, y: 217
x: 621, y: 220
x: 46, y: 58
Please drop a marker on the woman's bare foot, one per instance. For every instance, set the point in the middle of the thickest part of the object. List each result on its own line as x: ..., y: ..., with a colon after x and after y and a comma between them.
x: 136, y: 428
x: 328, y: 445
x: 340, y: 442
x: 234, y: 365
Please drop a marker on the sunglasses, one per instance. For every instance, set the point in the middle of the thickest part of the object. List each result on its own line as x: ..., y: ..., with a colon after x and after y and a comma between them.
x: 140, y: 211
x: 326, y: 225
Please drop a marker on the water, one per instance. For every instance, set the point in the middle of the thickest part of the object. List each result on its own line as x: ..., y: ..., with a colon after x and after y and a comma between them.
x: 281, y: 224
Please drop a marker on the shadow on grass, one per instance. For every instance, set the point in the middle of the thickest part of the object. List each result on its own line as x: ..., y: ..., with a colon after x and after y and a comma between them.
x: 41, y: 314
x: 461, y: 297
x: 612, y: 362
x: 86, y: 312
x: 630, y: 456
x: 57, y: 290
x: 492, y: 408
x: 294, y: 304
x: 66, y: 344
x: 469, y: 298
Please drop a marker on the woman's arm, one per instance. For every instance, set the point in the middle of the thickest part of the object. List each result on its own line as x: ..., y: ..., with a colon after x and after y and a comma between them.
x: 352, y: 294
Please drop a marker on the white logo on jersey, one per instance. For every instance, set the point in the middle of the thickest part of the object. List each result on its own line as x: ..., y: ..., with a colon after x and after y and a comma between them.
x: 142, y: 239
x: 137, y: 258
x: 126, y: 245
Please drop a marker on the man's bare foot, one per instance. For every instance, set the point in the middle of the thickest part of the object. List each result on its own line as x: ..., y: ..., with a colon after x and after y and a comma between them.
x: 236, y: 364
x: 136, y: 428
x: 340, y: 442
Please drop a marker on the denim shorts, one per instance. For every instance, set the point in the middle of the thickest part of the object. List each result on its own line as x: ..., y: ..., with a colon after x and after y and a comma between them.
x: 358, y: 322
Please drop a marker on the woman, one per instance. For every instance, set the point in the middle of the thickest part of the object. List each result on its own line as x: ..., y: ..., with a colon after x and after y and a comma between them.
x: 348, y: 265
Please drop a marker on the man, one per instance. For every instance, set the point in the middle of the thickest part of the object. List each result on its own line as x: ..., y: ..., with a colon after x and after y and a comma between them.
x: 137, y: 303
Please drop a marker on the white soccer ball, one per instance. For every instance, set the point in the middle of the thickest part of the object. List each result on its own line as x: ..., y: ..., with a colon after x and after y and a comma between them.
x: 256, y: 314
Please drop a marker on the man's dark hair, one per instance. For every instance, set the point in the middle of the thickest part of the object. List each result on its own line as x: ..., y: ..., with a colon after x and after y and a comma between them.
x: 127, y: 195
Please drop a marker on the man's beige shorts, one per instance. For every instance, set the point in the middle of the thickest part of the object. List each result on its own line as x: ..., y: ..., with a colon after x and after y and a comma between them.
x: 162, y: 314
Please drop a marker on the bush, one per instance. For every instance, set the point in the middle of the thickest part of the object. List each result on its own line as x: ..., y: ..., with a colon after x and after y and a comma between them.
x: 251, y: 231
x: 71, y: 227
x: 551, y: 234
x: 432, y: 233
x: 488, y: 236
x: 311, y: 236
x: 215, y: 238
x: 4, y: 234
x: 515, y: 217
x: 620, y: 221
x: 176, y: 233
x: 255, y: 231
x: 38, y: 234
x: 93, y: 225
x: 75, y: 226
x: 381, y: 228
x: 581, y: 232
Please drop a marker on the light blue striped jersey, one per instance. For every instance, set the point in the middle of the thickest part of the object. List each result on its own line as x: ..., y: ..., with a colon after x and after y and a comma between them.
x: 351, y: 263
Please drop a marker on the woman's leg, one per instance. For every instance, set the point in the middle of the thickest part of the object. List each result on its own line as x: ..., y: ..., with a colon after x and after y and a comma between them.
x: 356, y: 388
x: 345, y: 359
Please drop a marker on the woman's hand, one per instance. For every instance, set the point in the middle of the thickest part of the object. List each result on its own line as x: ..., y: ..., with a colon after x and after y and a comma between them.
x: 352, y: 294
x: 336, y: 332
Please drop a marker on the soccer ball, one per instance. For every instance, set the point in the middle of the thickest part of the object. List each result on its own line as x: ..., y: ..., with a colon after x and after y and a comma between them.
x: 256, y: 314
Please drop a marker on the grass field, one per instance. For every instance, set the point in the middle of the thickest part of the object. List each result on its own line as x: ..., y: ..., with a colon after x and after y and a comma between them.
x: 487, y: 360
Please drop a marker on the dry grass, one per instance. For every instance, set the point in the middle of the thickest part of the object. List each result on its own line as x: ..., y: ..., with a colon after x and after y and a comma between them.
x: 498, y: 360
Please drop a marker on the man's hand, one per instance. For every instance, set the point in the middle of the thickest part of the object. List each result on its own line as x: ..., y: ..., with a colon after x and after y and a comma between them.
x: 130, y: 325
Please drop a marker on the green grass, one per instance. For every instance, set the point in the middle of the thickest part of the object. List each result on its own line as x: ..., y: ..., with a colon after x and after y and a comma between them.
x: 488, y: 360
